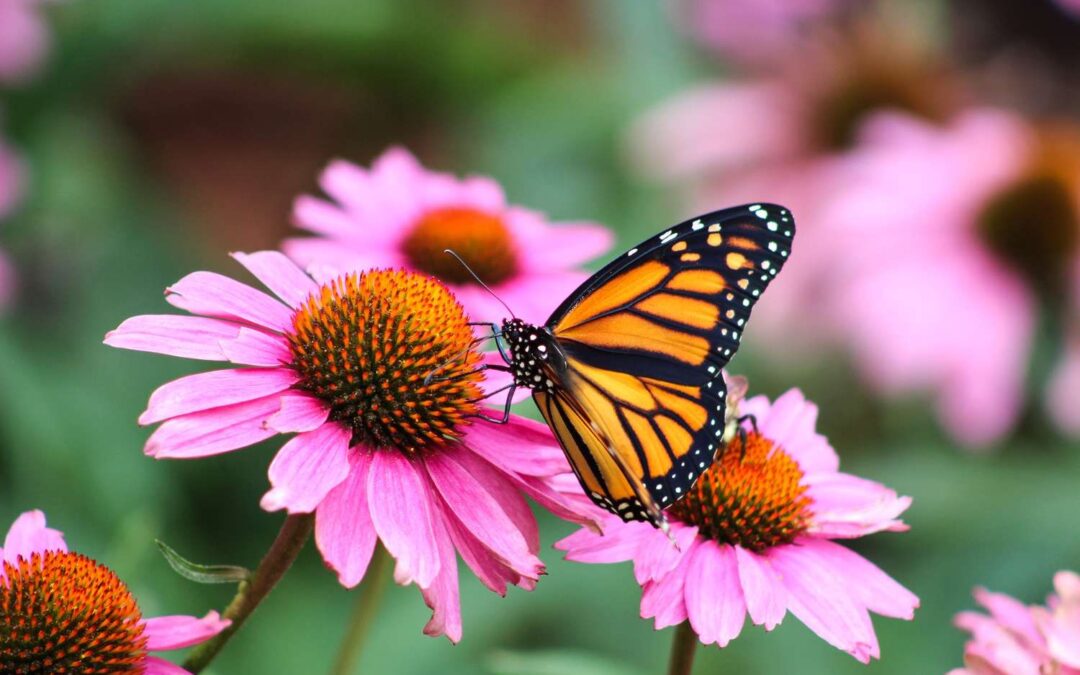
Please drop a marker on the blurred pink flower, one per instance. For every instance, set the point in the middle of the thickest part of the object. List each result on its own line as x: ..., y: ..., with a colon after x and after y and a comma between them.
x: 784, y: 137
x: 376, y: 374
x: 11, y: 180
x: 90, y: 622
x: 400, y: 214
x: 1063, y: 398
x: 942, y: 262
x: 1019, y: 640
x: 753, y: 31
x: 755, y: 537
x: 24, y: 40
x: 1072, y: 6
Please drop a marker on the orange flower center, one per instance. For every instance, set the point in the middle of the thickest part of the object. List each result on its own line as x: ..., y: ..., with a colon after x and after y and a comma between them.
x: 392, y: 355
x: 1033, y: 224
x: 64, y: 614
x: 750, y: 496
x: 481, y: 239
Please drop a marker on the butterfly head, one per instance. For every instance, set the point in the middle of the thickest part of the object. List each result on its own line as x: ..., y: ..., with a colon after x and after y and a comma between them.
x: 533, y: 353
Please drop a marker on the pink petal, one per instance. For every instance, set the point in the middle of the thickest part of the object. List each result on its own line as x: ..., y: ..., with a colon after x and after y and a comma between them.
x: 158, y: 666
x: 619, y: 542
x: 322, y: 217
x: 469, y: 499
x: 189, y: 337
x: 176, y: 632
x: 307, y: 468
x: 491, y: 572
x: 215, y: 389
x: 344, y: 532
x: 713, y: 595
x: 300, y: 411
x: 506, y: 494
x: 442, y: 595
x: 791, y: 422
x: 664, y: 599
x: 215, y: 431
x: 402, y: 511
x: 863, y: 580
x: 214, y: 295
x: 279, y: 274
x: 521, y: 446
x: 256, y: 348
x: 766, y: 598
x: 847, y: 506
x: 819, y: 598
x: 29, y: 535
x: 657, y: 556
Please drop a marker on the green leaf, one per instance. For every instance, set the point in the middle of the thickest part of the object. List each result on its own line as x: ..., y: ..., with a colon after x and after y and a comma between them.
x: 202, y: 574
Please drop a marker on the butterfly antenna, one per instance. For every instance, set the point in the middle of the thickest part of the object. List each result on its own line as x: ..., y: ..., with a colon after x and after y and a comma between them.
x: 478, y: 280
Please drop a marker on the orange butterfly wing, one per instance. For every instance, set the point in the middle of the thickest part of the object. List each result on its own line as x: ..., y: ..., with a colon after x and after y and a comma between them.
x: 641, y: 400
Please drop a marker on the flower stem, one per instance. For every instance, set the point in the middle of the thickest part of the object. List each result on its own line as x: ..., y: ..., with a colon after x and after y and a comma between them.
x: 363, y: 613
x: 683, y: 647
x: 290, y: 540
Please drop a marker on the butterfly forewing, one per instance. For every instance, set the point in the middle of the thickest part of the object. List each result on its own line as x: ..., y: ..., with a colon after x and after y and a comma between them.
x: 645, y: 340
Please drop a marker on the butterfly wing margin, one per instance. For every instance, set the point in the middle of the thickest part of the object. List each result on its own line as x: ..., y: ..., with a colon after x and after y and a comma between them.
x: 604, y: 473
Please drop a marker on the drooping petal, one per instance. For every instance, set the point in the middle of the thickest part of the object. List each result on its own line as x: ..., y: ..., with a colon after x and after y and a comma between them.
x: 506, y: 494
x: 491, y: 571
x: 663, y: 600
x: 819, y: 598
x: 763, y: 589
x: 307, y: 468
x: 521, y: 446
x: 279, y: 274
x: 594, y: 546
x: 402, y: 511
x: 864, y: 581
x: 215, y: 295
x: 479, y: 511
x: 215, y: 431
x: 344, y: 532
x: 442, y: 595
x: 176, y: 632
x: 29, y: 535
x: 657, y: 555
x: 713, y: 595
x: 189, y: 337
x: 215, y: 389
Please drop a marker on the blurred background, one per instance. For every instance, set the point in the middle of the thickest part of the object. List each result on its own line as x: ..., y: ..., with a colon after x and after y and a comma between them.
x: 929, y: 150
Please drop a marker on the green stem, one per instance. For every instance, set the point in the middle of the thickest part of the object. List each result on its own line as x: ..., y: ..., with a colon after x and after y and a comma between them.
x: 683, y: 647
x: 290, y: 540
x: 363, y: 613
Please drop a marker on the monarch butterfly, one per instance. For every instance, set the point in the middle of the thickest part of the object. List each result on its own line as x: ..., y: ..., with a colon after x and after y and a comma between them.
x: 627, y: 371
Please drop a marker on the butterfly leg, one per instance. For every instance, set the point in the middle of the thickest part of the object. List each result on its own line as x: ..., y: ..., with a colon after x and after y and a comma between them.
x: 506, y: 408
x: 742, y: 433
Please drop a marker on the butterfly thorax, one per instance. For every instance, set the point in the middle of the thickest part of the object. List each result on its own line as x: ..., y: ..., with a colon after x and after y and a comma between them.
x: 536, y: 360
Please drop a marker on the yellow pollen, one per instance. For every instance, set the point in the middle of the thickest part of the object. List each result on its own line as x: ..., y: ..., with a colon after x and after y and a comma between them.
x: 481, y: 239
x: 750, y: 496
x: 64, y: 614
x: 392, y: 354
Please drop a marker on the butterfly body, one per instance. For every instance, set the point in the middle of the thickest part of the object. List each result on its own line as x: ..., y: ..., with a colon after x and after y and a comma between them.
x: 627, y: 371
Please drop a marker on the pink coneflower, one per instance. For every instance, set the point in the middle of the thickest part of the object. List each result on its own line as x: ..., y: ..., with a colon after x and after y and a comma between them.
x: 377, y: 374
x: 1016, y: 639
x: 755, y: 537
x: 952, y: 237
x: 24, y: 40
x: 787, y: 135
x: 64, y: 609
x: 400, y: 214
x: 754, y: 31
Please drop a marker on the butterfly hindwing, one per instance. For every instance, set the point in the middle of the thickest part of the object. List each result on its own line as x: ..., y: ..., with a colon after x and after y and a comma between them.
x: 645, y: 340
